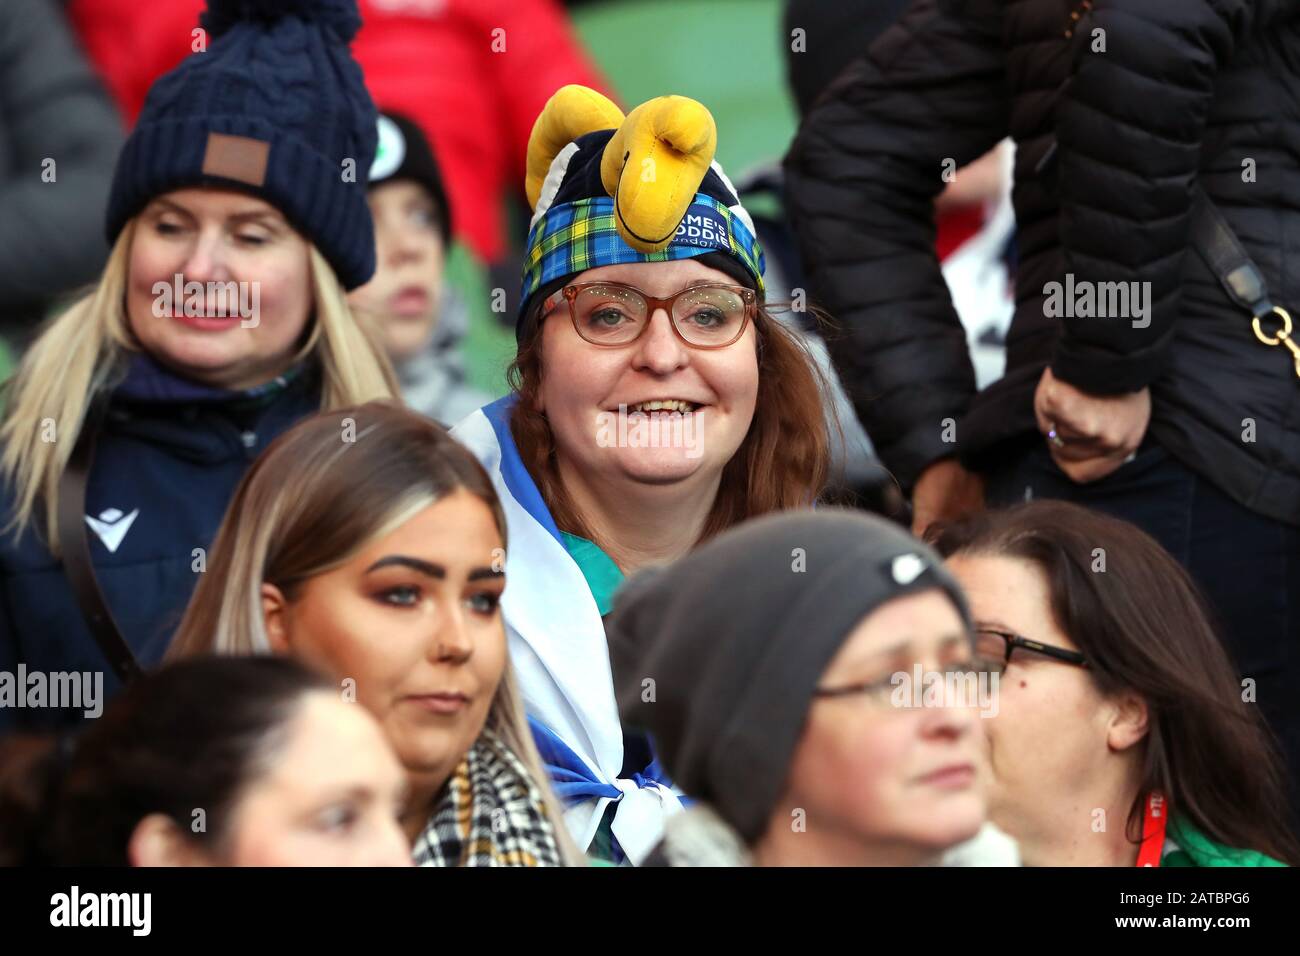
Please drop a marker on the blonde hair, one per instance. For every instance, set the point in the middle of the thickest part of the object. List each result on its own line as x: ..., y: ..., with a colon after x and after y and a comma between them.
x: 81, y: 354
x: 309, y: 504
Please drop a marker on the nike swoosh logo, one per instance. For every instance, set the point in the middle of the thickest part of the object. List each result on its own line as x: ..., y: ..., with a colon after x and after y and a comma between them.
x: 112, y: 533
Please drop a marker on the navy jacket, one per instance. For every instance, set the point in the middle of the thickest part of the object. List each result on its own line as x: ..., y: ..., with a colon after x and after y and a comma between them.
x: 168, y: 461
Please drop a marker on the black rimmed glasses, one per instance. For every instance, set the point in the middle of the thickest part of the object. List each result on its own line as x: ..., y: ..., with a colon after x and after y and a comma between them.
x: 895, y: 690
x: 613, y: 314
x: 995, y: 646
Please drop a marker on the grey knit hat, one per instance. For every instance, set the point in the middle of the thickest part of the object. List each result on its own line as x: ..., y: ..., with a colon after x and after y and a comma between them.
x: 736, y: 636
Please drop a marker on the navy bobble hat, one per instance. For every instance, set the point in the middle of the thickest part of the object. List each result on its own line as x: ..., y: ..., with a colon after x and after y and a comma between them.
x: 275, y: 107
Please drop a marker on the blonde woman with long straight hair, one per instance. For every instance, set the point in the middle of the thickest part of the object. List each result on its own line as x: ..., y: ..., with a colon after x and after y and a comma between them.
x: 220, y: 319
x: 367, y: 543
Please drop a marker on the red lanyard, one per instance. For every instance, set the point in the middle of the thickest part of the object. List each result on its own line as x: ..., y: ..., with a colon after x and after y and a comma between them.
x: 1153, y: 831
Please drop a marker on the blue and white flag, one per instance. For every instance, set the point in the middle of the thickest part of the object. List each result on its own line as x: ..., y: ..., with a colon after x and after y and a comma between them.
x: 561, y: 659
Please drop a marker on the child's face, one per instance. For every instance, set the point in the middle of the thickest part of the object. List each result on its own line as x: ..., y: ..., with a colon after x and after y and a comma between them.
x: 404, y: 295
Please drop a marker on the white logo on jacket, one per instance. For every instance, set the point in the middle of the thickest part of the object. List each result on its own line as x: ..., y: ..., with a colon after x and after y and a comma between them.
x: 112, y: 526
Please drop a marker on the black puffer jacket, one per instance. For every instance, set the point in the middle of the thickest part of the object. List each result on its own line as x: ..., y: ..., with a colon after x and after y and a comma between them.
x: 1184, y: 90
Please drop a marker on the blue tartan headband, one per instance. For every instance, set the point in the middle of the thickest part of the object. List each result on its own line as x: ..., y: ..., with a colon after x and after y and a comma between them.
x: 583, y: 235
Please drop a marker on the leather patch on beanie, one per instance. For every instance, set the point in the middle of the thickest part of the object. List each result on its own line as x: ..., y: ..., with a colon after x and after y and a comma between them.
x: 240, y: 158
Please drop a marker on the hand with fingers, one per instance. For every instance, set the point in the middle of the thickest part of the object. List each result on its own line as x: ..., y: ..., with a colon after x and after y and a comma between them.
x: 943, y: 492
x: 1090, y: 436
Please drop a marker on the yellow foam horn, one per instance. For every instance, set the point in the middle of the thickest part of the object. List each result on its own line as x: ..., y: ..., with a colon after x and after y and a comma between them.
x: 571, y: 112
x: 653, y: 167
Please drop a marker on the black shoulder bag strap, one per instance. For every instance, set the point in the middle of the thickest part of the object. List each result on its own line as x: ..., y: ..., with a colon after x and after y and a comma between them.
x: 75, y: 549
x: 1219, y: 246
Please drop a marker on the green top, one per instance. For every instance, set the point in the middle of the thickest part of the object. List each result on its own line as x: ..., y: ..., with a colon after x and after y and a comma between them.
x: 602, y: 574
x: 1187, y: 846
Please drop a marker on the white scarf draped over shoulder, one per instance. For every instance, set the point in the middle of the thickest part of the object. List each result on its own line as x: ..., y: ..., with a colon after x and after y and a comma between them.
x: 561, y: 659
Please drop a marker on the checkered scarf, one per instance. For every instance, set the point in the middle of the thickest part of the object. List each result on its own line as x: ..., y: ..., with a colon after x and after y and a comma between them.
x: 583, y: 234
x: 491, y: 814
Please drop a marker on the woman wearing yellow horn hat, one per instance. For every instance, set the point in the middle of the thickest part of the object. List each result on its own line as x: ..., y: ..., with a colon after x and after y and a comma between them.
x: 655, y: 404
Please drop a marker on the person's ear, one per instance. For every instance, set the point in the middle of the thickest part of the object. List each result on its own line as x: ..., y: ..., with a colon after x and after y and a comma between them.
x: 275, y: 618
x: 158, y: 841
x: 1128, y: 721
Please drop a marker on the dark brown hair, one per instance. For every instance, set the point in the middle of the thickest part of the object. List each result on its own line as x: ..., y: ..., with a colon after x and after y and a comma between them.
x: 783, y: 462
x: 1145, y: 629
x: 190, y: 736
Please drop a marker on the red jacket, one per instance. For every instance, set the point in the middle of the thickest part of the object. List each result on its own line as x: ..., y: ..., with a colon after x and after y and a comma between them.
x: 474, y: 91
